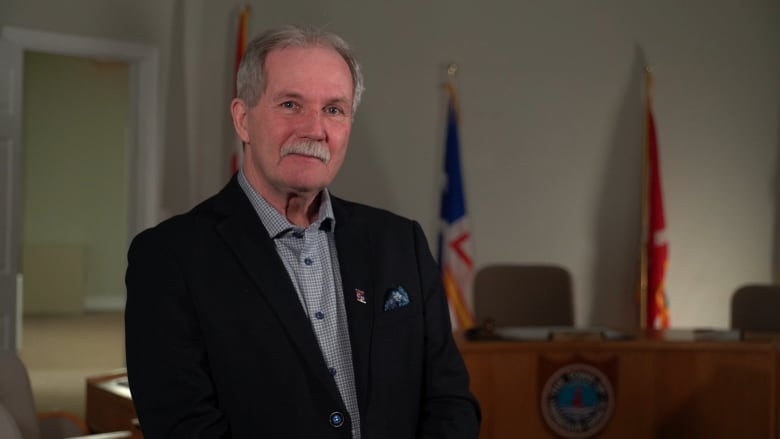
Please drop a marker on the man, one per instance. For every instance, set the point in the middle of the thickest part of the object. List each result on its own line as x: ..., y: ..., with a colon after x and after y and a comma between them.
x: 275, y: 310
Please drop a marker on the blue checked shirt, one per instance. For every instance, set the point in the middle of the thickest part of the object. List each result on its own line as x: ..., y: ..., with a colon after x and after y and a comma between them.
x: 309, y: 254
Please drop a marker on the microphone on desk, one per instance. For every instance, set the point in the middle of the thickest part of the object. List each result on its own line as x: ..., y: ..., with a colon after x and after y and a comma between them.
x: 485, y: 331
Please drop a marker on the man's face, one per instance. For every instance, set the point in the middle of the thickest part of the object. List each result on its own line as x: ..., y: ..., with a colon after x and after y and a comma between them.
x: 297, y: 133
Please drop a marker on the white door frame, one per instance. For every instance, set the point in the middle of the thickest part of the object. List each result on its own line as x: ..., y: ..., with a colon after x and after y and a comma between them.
x: 144, y: 142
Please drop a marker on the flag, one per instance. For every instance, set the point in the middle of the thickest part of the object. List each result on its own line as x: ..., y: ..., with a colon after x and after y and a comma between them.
x: 455, y: 249
x: 655, y: 245
x: 237, y: 155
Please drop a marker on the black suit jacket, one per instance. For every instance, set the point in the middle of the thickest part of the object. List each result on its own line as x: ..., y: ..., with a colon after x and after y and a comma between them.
x: 218, y: 344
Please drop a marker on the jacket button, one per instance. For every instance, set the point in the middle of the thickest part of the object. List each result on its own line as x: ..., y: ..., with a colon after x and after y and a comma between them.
x: 336, y: 419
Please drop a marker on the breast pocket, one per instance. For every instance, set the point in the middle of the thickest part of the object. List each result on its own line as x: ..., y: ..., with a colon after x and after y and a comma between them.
x: 398, y: 316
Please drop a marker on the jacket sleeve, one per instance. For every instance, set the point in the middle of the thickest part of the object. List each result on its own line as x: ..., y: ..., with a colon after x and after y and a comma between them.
x: 449, y: 410
x: 166, y: 359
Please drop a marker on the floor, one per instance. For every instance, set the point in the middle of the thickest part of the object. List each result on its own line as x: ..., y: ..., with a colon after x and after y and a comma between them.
x: 60, y: 352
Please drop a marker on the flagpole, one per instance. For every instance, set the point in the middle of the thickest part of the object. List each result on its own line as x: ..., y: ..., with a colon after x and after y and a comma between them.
x: 455, y: 248
x: 643, y: 297
x: 452, y: 71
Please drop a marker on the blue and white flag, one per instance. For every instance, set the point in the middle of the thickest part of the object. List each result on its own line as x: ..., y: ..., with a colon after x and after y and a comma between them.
x: 455, y: 247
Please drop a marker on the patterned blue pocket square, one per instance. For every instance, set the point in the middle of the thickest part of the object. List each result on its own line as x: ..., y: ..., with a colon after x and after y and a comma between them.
x: 396, y: 298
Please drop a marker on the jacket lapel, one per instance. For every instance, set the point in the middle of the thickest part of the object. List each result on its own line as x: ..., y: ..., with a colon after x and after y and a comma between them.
x: 353, y: 247
x: 245, y: 234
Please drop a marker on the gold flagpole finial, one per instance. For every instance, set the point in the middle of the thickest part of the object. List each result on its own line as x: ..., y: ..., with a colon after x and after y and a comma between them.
x: 649, y: 81
x: 452, y: 69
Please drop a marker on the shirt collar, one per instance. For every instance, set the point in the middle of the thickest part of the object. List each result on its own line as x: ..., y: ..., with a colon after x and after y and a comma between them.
x: 277, y: 224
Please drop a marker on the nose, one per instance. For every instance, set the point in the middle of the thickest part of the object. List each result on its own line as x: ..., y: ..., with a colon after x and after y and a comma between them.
x: 312, y: 125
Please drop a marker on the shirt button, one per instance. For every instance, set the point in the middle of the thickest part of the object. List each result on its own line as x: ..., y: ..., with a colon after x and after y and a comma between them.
x: 332, y: 371
x: 336, y: 419
x: 308, y: 261
x: 320, y: 315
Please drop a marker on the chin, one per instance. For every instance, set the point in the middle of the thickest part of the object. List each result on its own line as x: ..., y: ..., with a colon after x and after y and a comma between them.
x: 310, y: 186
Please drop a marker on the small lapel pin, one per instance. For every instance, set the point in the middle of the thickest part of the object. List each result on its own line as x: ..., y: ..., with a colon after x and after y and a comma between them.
x: 360, y: 295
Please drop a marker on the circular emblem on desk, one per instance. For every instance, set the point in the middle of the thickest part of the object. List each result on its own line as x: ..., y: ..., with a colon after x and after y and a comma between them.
x: 577, y: 401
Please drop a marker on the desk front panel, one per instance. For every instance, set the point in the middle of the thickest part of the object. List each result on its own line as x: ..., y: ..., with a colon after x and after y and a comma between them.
x: 661, y: 389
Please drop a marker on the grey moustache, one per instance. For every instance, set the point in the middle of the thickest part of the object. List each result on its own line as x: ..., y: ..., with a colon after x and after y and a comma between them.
x: 311, y: 148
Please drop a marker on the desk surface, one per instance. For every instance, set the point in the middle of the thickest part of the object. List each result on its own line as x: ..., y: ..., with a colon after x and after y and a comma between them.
x: 685, y: 339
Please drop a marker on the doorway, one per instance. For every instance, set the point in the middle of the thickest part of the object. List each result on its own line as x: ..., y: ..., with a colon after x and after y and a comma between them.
x: 74, y: 183
x: 142, y: 155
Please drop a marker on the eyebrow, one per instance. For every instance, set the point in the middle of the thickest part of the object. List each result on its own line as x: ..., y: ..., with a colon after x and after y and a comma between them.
x: 343, y: 101
x: 287, y: 95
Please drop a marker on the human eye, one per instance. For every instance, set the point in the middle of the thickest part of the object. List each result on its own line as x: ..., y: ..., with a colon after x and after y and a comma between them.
x: 289, y: 105
x: 334, y: 110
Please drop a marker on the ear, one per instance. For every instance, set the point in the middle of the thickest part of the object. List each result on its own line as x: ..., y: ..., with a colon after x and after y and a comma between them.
x: 240, y: 112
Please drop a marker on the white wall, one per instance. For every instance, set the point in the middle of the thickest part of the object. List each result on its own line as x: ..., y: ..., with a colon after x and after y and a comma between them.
x: 74, y: 108
x: 551, y: 124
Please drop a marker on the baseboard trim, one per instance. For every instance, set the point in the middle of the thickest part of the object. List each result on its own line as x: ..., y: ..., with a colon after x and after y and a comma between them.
x: 105, y: 303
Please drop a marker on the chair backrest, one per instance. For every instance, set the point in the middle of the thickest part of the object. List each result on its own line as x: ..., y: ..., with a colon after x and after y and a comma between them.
x: 756, y: 308
x: 8, y: 428
x: 524, y: 295
x: 16, y: 395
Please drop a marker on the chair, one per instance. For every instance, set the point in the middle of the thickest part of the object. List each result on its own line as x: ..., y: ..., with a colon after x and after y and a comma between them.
x: 8, y: 429
x: 17, y: 408
x: 523, y: 295
x: 756, y: 308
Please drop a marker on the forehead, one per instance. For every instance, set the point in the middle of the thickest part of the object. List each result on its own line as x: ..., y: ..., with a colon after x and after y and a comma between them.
x: 314, y: 66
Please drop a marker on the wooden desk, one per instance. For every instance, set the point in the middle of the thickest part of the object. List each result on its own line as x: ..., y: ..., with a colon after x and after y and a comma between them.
x: 662, y: 388
x: 109, y: 406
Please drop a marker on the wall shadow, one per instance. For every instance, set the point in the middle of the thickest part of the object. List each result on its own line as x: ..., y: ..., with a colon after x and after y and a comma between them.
x: 177, y: 190
x: 617, y: 235
x: 362, y: 178
x: 776, y: 185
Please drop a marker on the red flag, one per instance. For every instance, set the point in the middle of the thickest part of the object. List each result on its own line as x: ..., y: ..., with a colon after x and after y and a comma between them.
x: 656, y: 245
x: 241, y: 32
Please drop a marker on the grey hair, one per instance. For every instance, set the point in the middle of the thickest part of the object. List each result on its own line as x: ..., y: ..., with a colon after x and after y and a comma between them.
x: 250, y: 78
